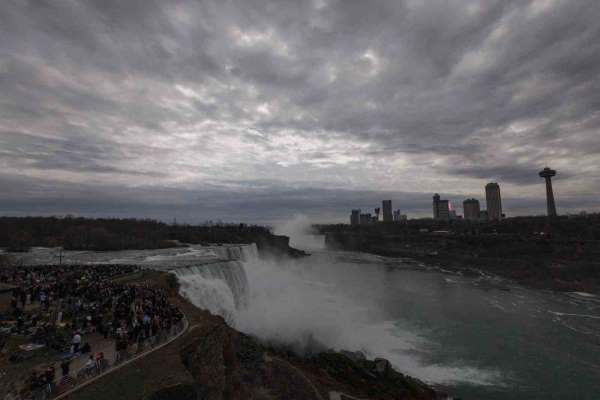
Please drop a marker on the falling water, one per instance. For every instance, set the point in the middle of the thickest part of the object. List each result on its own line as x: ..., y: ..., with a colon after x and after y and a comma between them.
x: 220, y: 287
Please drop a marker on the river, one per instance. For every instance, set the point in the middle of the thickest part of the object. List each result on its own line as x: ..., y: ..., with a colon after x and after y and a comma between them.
x: 477, y: 338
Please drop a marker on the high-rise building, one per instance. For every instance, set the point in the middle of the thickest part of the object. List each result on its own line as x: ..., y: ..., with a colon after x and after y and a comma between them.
x: 451, y: 210
x: 441, y: 208
x: 387, y: 211
x: 471, y: 209
x: 436, y: 202
x: 366, y: 219
x: 355, y: 217
x: 444, y: 210
x: 397, y: 216
x: 493, y: 201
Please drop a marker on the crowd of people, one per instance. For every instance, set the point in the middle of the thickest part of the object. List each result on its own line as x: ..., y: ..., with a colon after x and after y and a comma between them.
x: 58, y: 307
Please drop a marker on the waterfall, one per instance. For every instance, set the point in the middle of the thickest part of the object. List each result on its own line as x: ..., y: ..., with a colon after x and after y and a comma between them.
x: 222, y: 286
x: 242, y: 252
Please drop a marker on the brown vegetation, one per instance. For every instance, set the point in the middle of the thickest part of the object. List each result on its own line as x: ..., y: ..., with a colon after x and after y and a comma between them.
x: 561, y: 254
x: 19, y: 234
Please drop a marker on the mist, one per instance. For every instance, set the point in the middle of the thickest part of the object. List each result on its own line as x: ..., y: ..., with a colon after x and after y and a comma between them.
x: 299, y: 230
x: 316, y: 303
x: 326, y: 301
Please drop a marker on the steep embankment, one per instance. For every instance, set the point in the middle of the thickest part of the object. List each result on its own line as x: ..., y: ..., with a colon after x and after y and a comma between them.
x: 534, y: 263
x: 278, y: 246
x: 226, y: 364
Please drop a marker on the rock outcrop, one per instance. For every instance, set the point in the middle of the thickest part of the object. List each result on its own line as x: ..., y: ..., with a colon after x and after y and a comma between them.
x: 277, y: 245
x: 226, y: 364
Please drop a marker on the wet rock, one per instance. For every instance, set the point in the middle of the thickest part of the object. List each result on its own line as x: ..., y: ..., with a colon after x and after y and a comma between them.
x: 382, y: 366
x: 354, y: 355
x: 212, y: 361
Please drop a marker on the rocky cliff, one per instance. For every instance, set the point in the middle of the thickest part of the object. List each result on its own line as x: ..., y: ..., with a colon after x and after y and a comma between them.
x: 226, y: 364
x: 277, y: 245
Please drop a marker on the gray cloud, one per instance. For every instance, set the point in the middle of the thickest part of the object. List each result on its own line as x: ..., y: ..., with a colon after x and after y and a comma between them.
x: 262, y: 101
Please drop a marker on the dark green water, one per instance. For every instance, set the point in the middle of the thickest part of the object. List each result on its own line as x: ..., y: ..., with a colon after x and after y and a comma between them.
x: 479, y: 338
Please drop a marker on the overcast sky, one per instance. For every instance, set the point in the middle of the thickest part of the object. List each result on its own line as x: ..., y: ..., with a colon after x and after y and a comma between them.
x: 258, y: 110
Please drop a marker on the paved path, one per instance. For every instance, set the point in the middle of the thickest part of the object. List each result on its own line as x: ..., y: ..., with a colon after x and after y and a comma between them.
x: 185, y: 329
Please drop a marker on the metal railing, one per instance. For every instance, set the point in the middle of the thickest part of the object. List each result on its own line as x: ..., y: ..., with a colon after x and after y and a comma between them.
x: 86, y: 375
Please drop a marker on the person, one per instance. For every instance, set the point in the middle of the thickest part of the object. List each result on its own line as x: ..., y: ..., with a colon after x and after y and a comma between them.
x: 90, y: 365
x: 121, y: 347
x: 100, y: 361
x: 49, y: 375
x: 20, y: 323
x: 76, y: 342
x: 146, y: 322
x: 65, y: 365
x: 13, y: 304
x: 43, y: 299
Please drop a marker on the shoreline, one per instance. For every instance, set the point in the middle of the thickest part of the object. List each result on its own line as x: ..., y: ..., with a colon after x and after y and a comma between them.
x: 468, y: 269
x: 536, y: 265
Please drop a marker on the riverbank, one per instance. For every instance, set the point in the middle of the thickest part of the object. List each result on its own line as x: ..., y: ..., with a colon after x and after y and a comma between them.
x: 516, y: 270
x: 555, y: 262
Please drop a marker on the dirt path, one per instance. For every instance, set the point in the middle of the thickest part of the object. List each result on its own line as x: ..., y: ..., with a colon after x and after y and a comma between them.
x: 299, y: 372
x: 332, y: 395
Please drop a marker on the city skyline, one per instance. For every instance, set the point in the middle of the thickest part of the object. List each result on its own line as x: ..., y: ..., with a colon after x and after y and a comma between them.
x: 256, y: 111
x: 444, y: 209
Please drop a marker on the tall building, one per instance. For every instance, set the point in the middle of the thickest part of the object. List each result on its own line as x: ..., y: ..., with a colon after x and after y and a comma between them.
x: 493, y: 201
x: 436, y: 202
x: 444, y: 210
x: 397, y: 216
x: 355, y: 217
x: 441, y: 208
x: 366, y: 219
x: 471, y: 209
x: 547, y: 174
x: 387, y: 211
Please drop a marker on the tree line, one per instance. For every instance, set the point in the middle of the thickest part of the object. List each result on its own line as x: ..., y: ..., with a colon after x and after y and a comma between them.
x: 19, y: 234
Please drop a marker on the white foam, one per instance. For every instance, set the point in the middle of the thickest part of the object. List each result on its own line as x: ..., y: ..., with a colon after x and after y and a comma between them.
x: 213, y: 295
x: 190, y: 253
x: 561, y: 314
x: 584, y: 294
x: 285, y: 305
